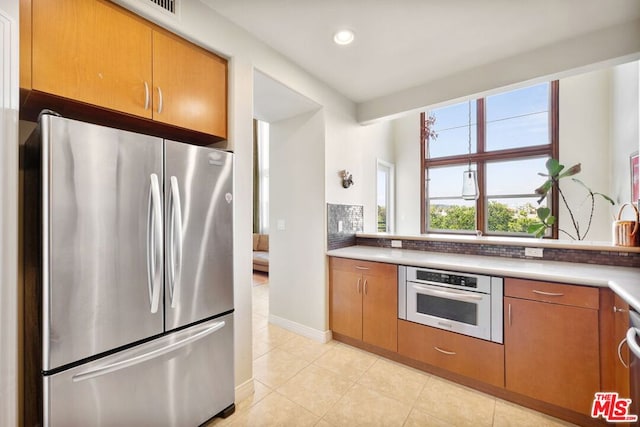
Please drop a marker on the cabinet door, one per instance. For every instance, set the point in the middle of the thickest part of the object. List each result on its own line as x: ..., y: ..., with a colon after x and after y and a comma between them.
x: 380, y: 306
x: 93, y: 52
x: 346, y: 303
x: 552, y: 353
x: 190, y: 86
x: 621, y: 325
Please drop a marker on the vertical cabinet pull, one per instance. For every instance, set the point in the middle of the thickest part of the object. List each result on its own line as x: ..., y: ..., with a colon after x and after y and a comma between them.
x: 358, y: 285
x: 160, y: 102
x: 365, y: 286
x: 509, y: 314
x: 146, y: 96
x: 624, y: 340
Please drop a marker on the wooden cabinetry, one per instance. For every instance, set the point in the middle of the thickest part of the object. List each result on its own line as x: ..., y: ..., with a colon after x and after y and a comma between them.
x: 621, y: 356
x: 192, y: 83
x: 97, y: 53
x: 363, y: 301
x: 464, y: 355
x: 552, y: 344
x: 92, y: 51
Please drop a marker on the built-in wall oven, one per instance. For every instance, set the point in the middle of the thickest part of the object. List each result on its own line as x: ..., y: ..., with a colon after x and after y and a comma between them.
x: 465, y: 303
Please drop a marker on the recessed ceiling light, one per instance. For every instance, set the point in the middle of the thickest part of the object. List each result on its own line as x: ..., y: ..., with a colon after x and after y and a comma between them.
x: 343, y: 37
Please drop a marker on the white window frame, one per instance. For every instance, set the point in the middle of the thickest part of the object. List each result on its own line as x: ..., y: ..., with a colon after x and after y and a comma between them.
x: 389, y: 170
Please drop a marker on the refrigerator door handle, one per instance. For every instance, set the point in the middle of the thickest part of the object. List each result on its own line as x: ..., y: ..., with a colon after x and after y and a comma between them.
x: 175, y: 241
x: 154, y: 243
x: 123, y: 364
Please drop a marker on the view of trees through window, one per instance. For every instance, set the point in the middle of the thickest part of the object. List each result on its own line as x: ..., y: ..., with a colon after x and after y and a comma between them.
x: 506, y: 139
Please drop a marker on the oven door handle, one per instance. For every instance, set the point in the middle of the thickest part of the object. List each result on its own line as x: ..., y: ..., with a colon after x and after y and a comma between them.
x: 631, y: 341
x: 451, y: 294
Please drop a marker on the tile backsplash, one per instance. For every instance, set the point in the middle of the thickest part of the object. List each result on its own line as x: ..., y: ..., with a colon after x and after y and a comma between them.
x: 343, y: 222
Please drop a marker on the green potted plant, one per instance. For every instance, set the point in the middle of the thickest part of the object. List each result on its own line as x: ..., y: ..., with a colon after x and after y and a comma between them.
x: 556, y: 172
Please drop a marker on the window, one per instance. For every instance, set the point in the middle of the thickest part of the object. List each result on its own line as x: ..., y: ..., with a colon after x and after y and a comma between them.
x: 261, y: 178
x: 506, y: 138
x: 385, y: 198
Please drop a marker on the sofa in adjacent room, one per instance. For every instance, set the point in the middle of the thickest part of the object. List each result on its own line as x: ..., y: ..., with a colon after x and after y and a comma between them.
x: 261, y: 252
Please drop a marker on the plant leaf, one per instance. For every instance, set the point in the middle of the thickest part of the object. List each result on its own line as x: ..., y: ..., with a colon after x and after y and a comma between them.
x: 607, y: 198
x: 573, y: 170
x: 554, y: 167
x: 543, y: 213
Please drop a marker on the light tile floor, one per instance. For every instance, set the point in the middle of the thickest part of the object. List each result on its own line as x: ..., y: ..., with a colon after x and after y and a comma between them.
x: 300, y: 382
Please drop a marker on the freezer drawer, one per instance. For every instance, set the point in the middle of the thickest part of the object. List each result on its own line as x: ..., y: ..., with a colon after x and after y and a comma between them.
x: 181, y: 379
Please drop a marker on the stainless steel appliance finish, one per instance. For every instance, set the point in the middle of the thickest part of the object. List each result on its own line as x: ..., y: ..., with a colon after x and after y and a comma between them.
x: 130, y: 287
x: 95, y: 196
x: 468, y: 304
x: 633, y: 334
x: 153, y: 384
x: 202, y: 265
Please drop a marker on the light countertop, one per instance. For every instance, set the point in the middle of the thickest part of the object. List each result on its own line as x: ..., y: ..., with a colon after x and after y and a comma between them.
x: 624, y: 281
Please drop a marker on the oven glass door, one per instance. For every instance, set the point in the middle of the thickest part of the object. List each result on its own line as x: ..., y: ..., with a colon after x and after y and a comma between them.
x: 459, y: 311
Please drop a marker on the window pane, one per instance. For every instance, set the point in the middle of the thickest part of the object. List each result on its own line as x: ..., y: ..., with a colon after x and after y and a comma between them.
x: 453, y: 116
x: 452, y: 214
x: 518, y: 132
x: 512, y: 215
x: 532, y: 99
x: 517, y: 119
x: 383, y: 197
x: 452, y: 142
x: 515, y: 177
x: 445, y: 181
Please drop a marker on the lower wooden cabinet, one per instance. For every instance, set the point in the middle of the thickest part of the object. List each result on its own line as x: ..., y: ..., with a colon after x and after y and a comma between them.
x: 552, y: 350
x: 363, y: 301
x: 468, y: 356
x: 619, y: 347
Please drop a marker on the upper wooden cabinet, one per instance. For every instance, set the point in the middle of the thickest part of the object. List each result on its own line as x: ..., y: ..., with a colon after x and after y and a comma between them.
x: 97, y: 53
x: 190, y: 87
x: 91, y: 51
x: 364, y: 301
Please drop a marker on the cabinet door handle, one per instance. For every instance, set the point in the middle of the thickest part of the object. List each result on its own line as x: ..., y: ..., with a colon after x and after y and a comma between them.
x: 448, y: 353
x: 361, y: 268
x: 509, y: 314
x: 358, y: 285
x: 365, y: 286
x: 146, y: 96
x: 624, y: 340
x: 549, y: 294
x: 159, y: 100
x: 618, y: 310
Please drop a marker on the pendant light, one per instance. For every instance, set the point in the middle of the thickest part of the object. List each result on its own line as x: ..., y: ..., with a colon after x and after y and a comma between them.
x: 469, y: 177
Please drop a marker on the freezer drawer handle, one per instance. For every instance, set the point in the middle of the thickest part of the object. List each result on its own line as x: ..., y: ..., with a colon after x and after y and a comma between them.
x: 123, y: 364
x: 175, y: 242
x: 154, y: 243
x: 631, y: 341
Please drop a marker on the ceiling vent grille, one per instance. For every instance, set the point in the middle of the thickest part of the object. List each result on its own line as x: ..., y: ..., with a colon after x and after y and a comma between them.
x: 167, y: 5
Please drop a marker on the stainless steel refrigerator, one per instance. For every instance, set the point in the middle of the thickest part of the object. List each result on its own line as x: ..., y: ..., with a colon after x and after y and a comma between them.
x: 128, y: 278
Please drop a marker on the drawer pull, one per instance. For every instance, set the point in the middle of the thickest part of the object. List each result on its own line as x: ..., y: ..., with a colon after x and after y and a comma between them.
x: 549, y: 294
x: 618, y: 310
x: 448, y: 353
x: 361, y: 268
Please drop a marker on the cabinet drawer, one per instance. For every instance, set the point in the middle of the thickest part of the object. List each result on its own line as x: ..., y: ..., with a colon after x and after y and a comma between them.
x: 363, y: 267
x: 557, y: 293
x: 471, y: 357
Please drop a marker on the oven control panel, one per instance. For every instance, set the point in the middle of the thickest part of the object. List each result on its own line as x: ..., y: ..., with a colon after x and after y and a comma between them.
x: 448, y: 279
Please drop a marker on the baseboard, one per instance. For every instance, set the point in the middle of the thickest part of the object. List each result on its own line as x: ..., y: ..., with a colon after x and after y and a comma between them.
x: 244, y: 390
x: 305, y: 331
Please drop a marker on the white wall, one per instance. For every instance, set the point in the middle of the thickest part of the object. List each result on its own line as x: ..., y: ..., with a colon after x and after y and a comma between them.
x: 355, y: 148
x: 8, y: 213
x: 625, y: 132
x: 598, y: 128
x: 584, y: 138
x: 407, y: 152
x: 297, y: 284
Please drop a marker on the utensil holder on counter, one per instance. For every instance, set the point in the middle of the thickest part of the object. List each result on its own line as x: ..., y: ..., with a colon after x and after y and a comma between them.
x: 625, y: 232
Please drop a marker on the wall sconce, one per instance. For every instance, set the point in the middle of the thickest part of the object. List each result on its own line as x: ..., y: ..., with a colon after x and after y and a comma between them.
x: 347, y: 178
